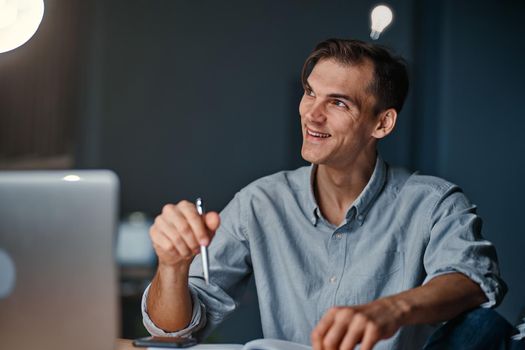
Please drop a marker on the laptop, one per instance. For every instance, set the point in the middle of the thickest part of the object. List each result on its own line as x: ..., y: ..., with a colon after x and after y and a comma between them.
x: 58, y: 282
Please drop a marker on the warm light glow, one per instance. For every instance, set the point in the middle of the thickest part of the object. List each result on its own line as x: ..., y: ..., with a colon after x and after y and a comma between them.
x: 8, y: 13
x: 381, y: 17
x: 71, y: 178
x: 19, y: 20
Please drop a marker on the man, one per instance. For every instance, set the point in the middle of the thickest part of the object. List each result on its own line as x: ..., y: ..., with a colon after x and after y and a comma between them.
x: 348, y: 251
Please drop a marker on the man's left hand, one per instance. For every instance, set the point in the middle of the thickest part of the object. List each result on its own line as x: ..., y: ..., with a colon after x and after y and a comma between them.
x: 344, y: 327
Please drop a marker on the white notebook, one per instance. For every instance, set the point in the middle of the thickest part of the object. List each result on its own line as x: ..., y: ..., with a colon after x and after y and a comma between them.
x: 258, y: 344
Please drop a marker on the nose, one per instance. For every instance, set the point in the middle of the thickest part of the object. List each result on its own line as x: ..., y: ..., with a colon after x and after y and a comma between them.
x: 315, y: 113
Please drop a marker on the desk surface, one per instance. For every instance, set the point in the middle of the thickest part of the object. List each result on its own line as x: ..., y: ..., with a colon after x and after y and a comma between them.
x: 124, y: 344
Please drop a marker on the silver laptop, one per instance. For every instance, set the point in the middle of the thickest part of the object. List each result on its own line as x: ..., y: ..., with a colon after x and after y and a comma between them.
x: 58, y: 286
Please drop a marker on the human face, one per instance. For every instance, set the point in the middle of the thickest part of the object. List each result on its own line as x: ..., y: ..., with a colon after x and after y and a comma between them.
x: 337, y: 113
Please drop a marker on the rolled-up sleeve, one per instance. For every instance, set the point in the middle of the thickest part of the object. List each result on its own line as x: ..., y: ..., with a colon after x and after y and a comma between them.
x: 456, y: 245
x: 230, y: 269
x: 230, y: 272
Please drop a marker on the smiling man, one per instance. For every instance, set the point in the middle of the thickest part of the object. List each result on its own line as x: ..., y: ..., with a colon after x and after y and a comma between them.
x: 347, y: 251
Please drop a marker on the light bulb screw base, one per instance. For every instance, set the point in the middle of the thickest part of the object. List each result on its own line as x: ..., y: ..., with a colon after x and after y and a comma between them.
x: 375, y: 34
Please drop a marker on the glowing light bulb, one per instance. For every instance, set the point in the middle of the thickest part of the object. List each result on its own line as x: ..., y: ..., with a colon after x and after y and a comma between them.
x: 8, y: 13
x: 381, y: 17
x: 19, y: 20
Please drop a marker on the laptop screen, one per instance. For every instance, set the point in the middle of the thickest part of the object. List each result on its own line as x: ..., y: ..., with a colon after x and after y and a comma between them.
x: 57, y: 266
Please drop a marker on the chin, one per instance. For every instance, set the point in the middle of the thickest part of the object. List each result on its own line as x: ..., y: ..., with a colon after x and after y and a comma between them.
x: 310, y: 158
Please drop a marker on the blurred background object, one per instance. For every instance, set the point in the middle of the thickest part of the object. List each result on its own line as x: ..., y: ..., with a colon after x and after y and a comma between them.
x: 136, y: 259
x: 133, y: 245
x: 183, y: 99
x: 19, y: 20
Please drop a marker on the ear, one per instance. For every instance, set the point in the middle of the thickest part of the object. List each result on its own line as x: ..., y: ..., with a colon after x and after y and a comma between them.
x: 385, y: 123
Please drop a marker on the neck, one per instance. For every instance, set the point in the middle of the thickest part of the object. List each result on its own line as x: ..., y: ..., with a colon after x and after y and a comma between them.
x: 337, y: 187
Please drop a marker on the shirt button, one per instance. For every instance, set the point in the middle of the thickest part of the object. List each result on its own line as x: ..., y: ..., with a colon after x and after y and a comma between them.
x: 360, y: 217
x: 333, y: 279
x: 339, y: 235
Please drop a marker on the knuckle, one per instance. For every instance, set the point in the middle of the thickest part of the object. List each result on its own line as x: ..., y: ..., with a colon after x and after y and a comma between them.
x: 342, y: 316
x: 333, y: 310
x: 361, y: 318
x: 168, y: 209
x: 185, y: 204
x: 157, y: 221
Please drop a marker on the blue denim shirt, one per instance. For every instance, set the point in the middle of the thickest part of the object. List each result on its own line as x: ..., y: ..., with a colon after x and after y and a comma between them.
x: 403, y: 230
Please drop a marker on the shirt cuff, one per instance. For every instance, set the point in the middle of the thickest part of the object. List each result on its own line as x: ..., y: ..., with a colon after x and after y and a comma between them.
x: 489, y: 286
x: 198, y: 318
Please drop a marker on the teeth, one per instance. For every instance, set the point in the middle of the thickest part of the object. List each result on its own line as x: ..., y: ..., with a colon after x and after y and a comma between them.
x: 317, y: 134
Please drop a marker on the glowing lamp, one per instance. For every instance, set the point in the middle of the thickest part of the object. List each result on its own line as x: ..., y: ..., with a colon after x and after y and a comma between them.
x: 19, y: 20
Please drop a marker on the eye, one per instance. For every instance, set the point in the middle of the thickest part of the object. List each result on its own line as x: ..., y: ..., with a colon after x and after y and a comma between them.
x: 340, y: 103
x: 308, y: 92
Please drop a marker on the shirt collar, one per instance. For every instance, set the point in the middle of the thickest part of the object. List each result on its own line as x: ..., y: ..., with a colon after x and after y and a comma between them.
x: 363, y: 202
x: 314, y: 209
x: 375, y: 185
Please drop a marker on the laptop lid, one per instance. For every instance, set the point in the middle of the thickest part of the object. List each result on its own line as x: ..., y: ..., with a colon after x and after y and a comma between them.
x: 57, y: 267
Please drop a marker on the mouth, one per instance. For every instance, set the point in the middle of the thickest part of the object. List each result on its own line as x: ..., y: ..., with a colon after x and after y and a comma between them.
x: 317, y: 134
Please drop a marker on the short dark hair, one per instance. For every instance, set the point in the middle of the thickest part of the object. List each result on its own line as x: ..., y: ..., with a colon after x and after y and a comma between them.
x: 390, y: 82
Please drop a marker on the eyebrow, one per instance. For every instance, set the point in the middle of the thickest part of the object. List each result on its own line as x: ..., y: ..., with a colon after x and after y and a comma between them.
x: 344, y: 97
x: 353, y: 101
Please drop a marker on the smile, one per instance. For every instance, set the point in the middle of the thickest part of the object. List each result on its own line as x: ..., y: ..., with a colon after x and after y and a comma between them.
x: 317, y: 134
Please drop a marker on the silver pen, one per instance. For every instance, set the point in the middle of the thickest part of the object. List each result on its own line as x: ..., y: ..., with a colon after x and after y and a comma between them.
x: 204, y: 249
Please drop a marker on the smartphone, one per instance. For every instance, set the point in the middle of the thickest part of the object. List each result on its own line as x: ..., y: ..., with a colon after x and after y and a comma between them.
x: 165, y: 342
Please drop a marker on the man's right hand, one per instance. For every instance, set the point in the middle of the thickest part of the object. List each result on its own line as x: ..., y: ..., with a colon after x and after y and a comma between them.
x: 179, y: 231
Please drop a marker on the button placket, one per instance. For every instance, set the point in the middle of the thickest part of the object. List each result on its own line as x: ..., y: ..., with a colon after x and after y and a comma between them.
x: 339, y: 265
x: 334, y: 251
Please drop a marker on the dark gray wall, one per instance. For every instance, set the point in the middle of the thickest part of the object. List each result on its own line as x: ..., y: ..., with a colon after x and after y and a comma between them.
x: 185, y: 99
x: 475, y: 88
x: 200, y: 98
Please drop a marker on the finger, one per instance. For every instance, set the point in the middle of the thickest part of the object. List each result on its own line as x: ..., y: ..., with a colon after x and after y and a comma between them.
x: 160, y: 241
x: 322, y: 327
x: 184, y: 232
x: 168, y: 245
x: 335, y: 335
x: 371, y: 337
x: 212, y: 220
x: 176, y: 229
x: 164, y: 226
x: 172, y: 234
x: 355, y: 331
x: 199, y: 230
x: 182, y: 246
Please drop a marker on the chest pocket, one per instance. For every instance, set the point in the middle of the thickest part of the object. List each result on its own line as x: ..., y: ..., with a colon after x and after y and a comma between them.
x: 375, y: 275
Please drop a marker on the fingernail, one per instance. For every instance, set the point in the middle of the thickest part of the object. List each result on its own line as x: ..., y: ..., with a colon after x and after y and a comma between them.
x: 203, y: 242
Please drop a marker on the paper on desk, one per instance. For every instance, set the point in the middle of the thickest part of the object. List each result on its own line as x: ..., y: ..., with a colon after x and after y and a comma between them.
x: 258, y: 344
